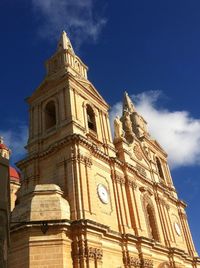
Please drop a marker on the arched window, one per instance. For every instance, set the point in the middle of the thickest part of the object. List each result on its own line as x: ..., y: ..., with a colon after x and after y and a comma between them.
x: 50, y: 115
x: 159, y: 166
x: 91, y: 118
x: 152, y: 222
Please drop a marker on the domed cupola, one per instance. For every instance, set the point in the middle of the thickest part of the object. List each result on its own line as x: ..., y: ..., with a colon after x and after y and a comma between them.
x: 14, y: 174
x: 14, y: 186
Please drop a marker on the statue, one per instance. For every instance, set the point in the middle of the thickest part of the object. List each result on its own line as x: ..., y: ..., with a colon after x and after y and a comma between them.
x: 118, y: 129
x: 129, y: 134
x: 127, y: 123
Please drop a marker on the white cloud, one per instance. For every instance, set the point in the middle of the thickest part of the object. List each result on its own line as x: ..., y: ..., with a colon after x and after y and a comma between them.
x: 77, y: 17
x: 15, y: 139
x: 177, y: 131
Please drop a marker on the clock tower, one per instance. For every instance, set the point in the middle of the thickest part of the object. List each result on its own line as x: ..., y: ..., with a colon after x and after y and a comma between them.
x: 86, y: 200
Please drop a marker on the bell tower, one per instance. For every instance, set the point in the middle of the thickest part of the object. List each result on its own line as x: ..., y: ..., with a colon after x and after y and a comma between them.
x: 66, y: 102
x: 68, y: 119
x: 67, y: 165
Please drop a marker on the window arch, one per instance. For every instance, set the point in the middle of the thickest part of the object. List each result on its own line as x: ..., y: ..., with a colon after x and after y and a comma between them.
x: 50, y: 115
x: 91, y: 122
x: 159, y: 166
x: 150, y: 217
x: 152, y: 222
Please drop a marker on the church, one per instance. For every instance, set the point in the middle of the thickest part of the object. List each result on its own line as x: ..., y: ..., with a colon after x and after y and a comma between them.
x: 87, y: 200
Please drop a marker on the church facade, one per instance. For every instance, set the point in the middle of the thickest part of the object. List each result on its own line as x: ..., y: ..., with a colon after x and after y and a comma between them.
x: 85, y: 199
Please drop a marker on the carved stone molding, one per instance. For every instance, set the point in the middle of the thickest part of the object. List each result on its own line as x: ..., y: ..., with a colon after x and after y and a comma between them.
x: 94, y: 253
x: 146, y: 263
x: 141, y: 170
x: 82, y: 159
x: 91, y: 253
x: 144, y: 189
x: 82, y: 251
x: 99, y: 254
x: 88, y: 161
x: 74, y: 139
x: 119, y: 179
x: 132, y: 184
x: 131, y: 261
x: 135, y: 262
x: 138, y: 152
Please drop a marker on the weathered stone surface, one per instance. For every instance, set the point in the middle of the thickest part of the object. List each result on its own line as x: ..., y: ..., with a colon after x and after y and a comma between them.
x: 42, y: 203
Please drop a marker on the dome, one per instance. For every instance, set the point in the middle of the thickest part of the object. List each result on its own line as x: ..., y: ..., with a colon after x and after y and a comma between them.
x: 14, y: 174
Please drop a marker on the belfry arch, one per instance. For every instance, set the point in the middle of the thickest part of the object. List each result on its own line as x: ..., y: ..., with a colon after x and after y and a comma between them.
x: 50, y: 115
x: 91, y: 121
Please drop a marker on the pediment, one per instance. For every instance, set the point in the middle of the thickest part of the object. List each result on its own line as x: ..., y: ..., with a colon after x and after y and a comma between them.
x: 87, y: 84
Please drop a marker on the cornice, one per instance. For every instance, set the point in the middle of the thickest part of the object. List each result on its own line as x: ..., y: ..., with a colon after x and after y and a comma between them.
x: 80, y: 139
x: 76, y: 138
x: 81, y: 226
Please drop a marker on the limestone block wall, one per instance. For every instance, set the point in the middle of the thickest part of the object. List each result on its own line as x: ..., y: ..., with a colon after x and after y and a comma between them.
x: 32, y: 248
x: 42, y: 209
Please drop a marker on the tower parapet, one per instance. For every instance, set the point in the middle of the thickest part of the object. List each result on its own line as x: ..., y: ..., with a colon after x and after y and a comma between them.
x: 65, y: 60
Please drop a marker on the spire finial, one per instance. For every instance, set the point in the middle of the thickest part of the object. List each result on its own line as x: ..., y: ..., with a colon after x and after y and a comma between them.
x: 64, y: 42
x: 64, y: 60
x: 128, y: 104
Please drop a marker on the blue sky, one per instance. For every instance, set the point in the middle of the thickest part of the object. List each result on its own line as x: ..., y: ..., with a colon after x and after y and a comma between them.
x: 149, y: 48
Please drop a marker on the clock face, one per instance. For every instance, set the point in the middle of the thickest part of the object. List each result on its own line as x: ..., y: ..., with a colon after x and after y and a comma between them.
x: 103, y: 193
x: 177, y: 228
